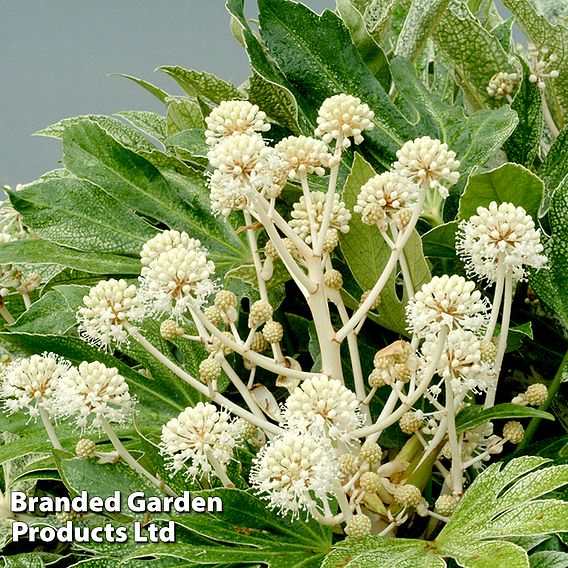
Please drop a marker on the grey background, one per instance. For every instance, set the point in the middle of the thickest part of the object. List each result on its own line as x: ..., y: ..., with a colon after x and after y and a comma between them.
x: 55, y: 56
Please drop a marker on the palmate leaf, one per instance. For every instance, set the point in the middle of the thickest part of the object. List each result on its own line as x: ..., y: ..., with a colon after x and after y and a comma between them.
x: 554, y: 169
x: 245, y: 532
x: 503, y: 501
x: 366, y: 254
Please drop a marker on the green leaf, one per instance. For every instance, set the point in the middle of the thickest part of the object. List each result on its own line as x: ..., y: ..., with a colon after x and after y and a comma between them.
x: 523, y: 145
x: 456, y: 33
x: 180, y: 201
x: 367, y: 253
x: 553, y: 36
x: 183, y: 114
x: 376, y: 14
x: 53, y: 313
x: 421, y: 20
x: 80, y: 215
x: 551, y: 285
x: 304, y: 45
x: 127, y: 136
x: 159, y: 93
x: 549, y: 559
x: 473, y: 416
x: 511, y: 183
x: 368, y: 48
x: 246, y: 532
x: 373, y: 551
x: 202, y: 83
x: 554, y: 168
x: 490, y: 555
x: 102, y: 480
x: 41, y: 252
x: 440, y: 241
x: 149, y: 122
x: 191, y: 141
x: 27, y: 560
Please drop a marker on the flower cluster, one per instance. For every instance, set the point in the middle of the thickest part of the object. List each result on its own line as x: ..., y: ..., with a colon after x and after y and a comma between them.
x: 500, y: 235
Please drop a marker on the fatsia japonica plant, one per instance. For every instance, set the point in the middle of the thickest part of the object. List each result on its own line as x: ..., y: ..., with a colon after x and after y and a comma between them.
x: 335, y: 296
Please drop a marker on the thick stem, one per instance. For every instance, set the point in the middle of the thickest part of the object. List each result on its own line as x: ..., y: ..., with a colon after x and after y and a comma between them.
x: 200, y: 387
x: 343, y: 502
x: 548, y: 119
x: 457, y: 465
x: 309, y: 207
x: 502, y: 345
x: 51, y: 434
x: 406, y: 276
x: 129, y: 459
x: 317, y: 302
x: 27, y: 301
x: 5, y: 313
x: 219, y: 470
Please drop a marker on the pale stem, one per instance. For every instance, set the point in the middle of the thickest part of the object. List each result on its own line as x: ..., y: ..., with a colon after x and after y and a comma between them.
x: 457, y: 466
x: 381, y: 282
x: 129, y: 459
x: 251, y: 377
x: 388, y: 529
x: 309, y: 207
x: 343, y: 502
x: 360, y: 391
x: 504, y: 332
x: 406, y: 276
x: 488, y: 452
x: 497, y: 298
x: 51, y: 434
x: 303, y: 282
x: 5, y: 313
x: 328, y: 207
x: 27, y: 301
x: 327, y: 521
x: 548, y: 118
x: 254, y: 357
x: 319, y: 307
x: 253, y: 244
x: 380, y: 425
x: 219, y: 470
x: 200, y: 387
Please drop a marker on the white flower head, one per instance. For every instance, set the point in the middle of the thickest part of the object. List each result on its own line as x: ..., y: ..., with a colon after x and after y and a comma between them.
x: 196, y: 433
x: 243, y: 163
x: 234, y: 116
x: 462, y: 363
x: 178, y: 278
x: 391, y: 191
x: 300, y: 223
x: 94, y: 394
x: 343, y: 117
x: 429, y: 163
x: 503, y: 233
x: 450, y: 301
x: 107, y: 308
x: 295, y: 472
x: 303, y: 155
x: 163, y: 242
x: 323, y: 406
x: 28, y: 384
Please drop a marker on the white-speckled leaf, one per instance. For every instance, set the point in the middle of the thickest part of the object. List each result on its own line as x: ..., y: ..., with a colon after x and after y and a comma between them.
x: 549, y: 559
x: 182, y: 114
x: 543, y: 33
x: 420, y: 22
x: 460, y: 35
x: 500, y: 554
x: 149, y: 122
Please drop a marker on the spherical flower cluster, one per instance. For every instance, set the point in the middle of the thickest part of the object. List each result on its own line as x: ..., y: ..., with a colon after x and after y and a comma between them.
x: 96, y: 392
x: 243, y: 163
x: 85, y: 449
x: 513, y: 431
x: 390, y: 191
x: 428, y: 163
x: 162, y: 242
x: 177, y: 277
x: 341, y: 117
x: 303, y: 155
x: 461, y: 362
x: 234, y: 116
x: 500, y: 234
x: 502, y: 85
x: 107, y: 308
x: 30, y: 384
x: 196, y: 434
x: 340, y: 215
x: 540, y: 63
x: 450, y: 301
x: 358, y: 526
x: 324, y: 406
x: 295, y: 472
x: 408, y: 495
